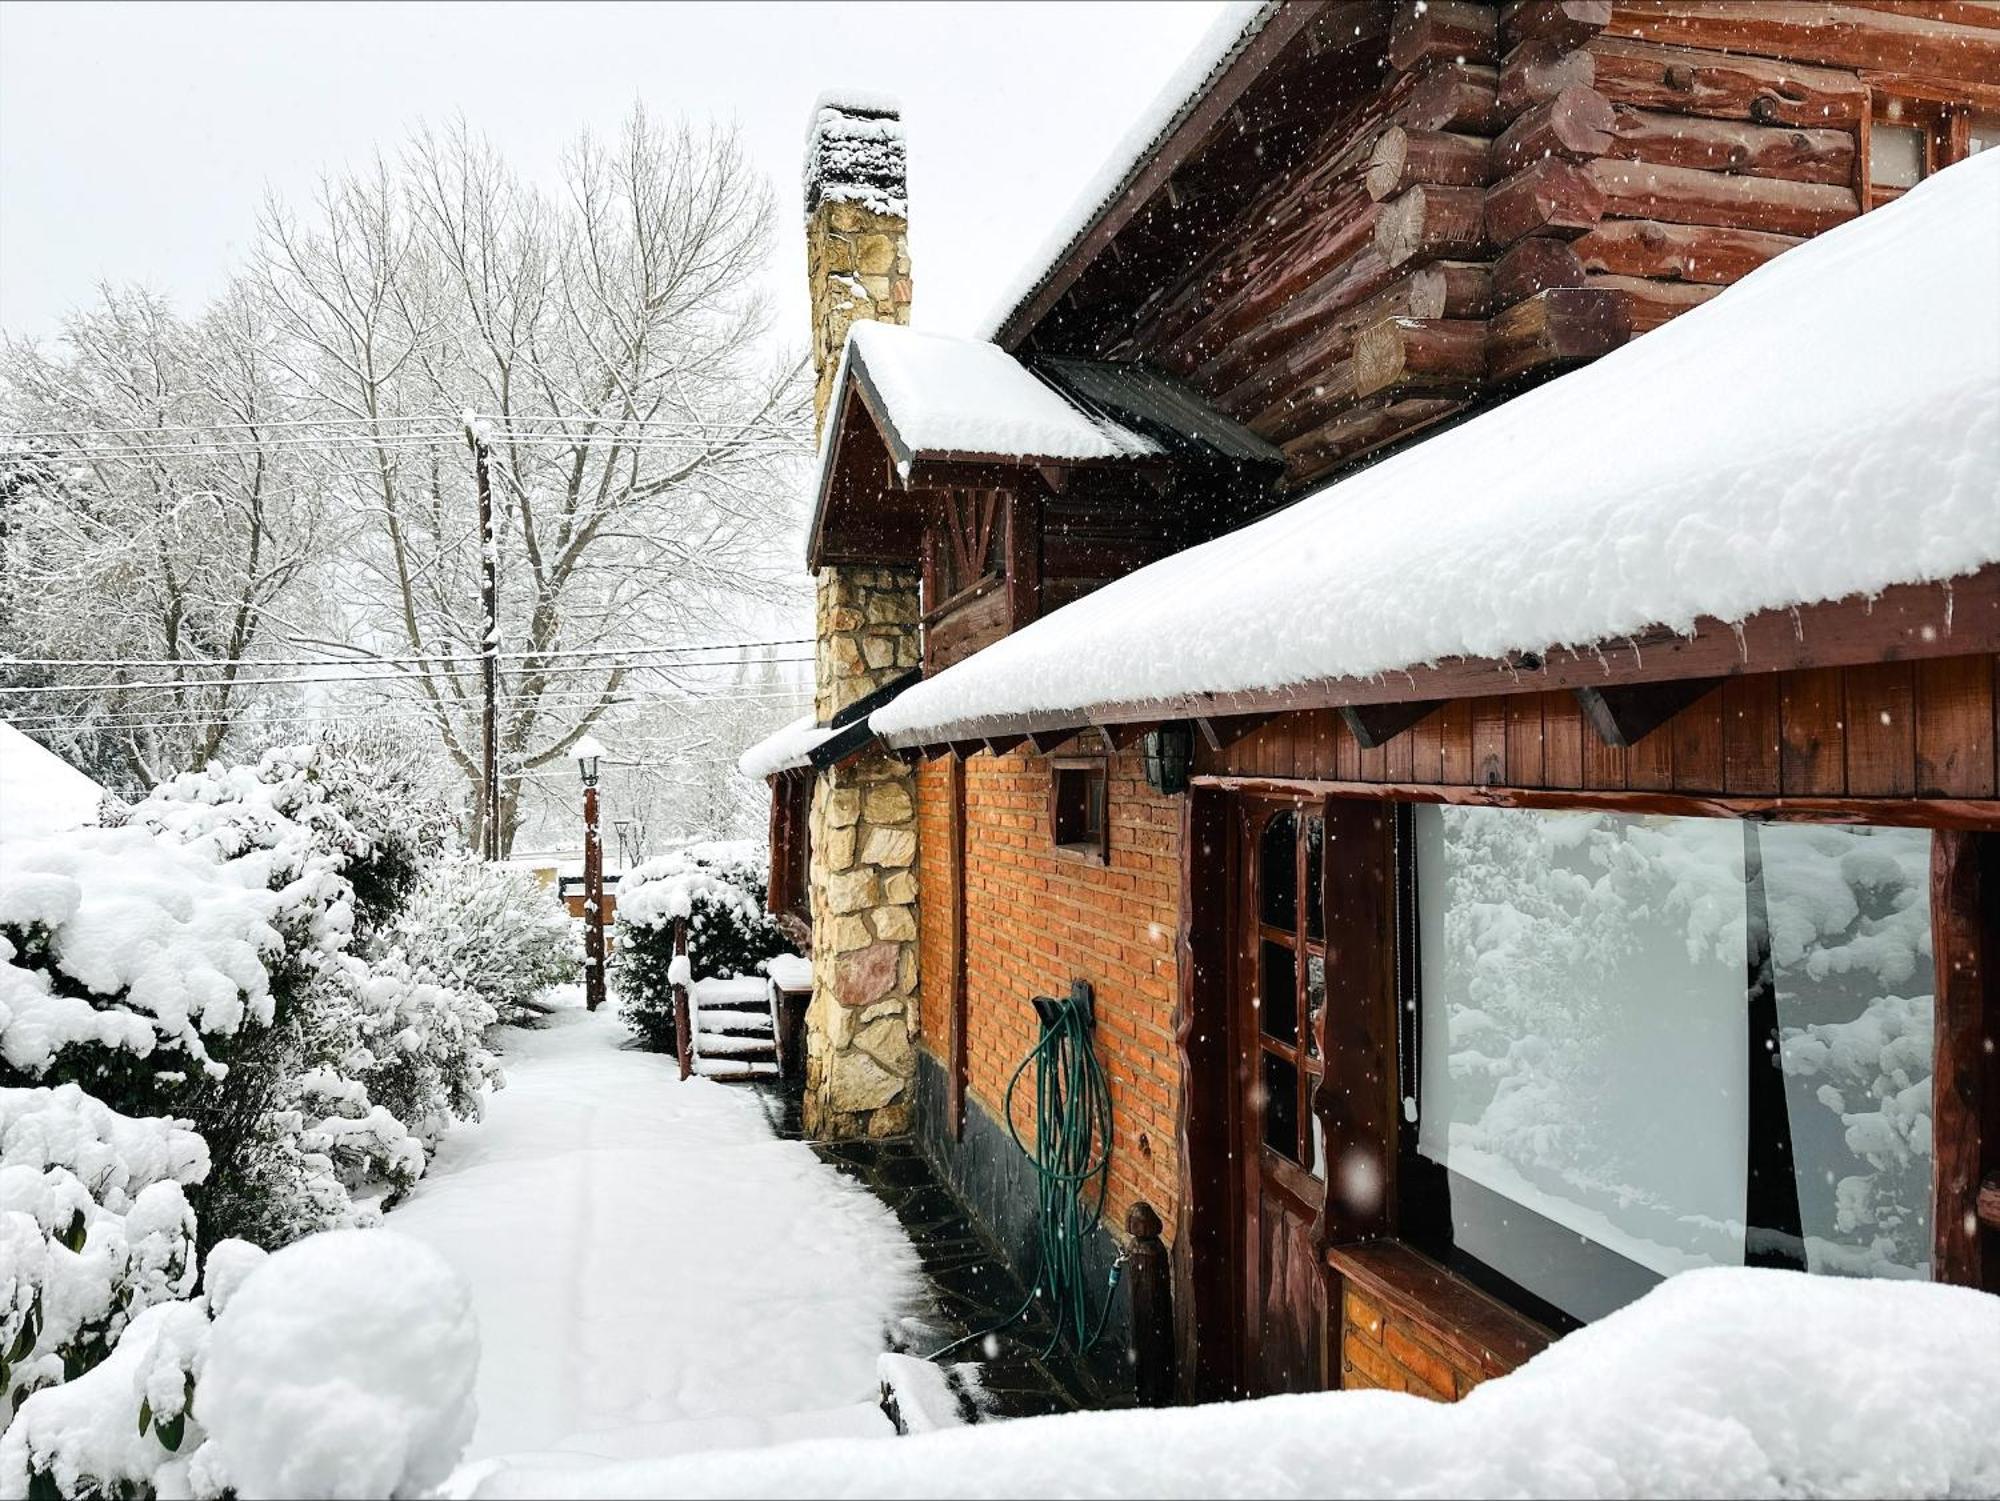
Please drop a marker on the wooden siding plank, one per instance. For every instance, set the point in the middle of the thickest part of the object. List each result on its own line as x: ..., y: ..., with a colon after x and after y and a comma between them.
x: 1562, y: 741
x: 1455, y: 730
x: 1649, y: 761
x: 1881, y: 721
x: 1526, y: 754
x: 1955, y: 740
x: 1809, y: 758
x: 1751, y: 733
x: 1427, y: 748
x: 1697, y: 733
x: 1489, y: 741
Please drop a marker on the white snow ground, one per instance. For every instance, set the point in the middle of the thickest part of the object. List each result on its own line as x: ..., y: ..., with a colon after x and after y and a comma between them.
x: 654, y: 1272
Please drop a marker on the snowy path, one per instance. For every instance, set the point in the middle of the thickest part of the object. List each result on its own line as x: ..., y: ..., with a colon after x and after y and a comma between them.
x: 655, y: 1272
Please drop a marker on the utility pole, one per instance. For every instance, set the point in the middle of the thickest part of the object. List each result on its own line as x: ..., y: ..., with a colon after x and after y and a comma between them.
x: 489, y: 643
x: 588, y: 754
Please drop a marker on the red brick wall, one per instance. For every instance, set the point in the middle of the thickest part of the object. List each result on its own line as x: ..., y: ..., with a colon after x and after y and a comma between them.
x: 1036, y: 920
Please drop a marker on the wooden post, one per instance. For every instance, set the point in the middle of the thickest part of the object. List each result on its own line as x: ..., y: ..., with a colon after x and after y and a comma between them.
x: 1965, y: 1103
x: 1149, y: 1275
x: 683, y: 1038
x: 593, y: 903
x: 489, y: 650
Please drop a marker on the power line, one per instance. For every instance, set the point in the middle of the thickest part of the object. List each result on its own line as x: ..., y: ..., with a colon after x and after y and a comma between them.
x: 363, y: 659
x: 474, y: 670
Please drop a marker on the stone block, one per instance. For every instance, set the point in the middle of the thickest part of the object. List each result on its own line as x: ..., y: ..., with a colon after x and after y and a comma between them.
x: 900, y: 887
x: 842, y: 618
x: 890, y: 847
x: 843, y: 807
x: 849, y: 933
x: 844, y: 214
x: 888, y: 803
x: 887, y: 608
x: 879, y: 652
x: 897, y: 923
x: 857, y: 1084
x: 852, y: 890
x: 865, y: 975
x: 887, y: 1041
x: 874, y: 254
x: 837, y: 846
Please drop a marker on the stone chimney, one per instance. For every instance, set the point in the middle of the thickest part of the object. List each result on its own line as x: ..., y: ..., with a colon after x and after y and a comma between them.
x: 860, y: 1065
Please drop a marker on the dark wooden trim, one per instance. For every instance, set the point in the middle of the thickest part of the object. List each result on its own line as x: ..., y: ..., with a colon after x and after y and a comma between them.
x: 1905, y: 812
x: 1906, y: 622
x: 1374, y: 725
x: 1094, y: 852
x: 1001, y: 745
x: 1965, y: 1082
x: 1124, y: 736
x: 977, y: 590
x: 1625, y: 716
x: 1356, y: 1097
x: 1047, y: 742
x: 1205, y: 1269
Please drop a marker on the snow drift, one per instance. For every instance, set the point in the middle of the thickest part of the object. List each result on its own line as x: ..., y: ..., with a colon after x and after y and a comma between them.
x: 1727, y: 1381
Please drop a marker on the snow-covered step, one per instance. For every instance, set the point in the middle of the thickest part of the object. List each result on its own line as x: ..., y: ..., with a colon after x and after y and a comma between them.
x: 733, y: 1045
x: 713, y: 1020
x: 726, y: 1069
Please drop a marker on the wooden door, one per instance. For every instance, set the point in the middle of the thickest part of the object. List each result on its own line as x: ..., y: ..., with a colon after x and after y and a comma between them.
x: 1277, y: 1038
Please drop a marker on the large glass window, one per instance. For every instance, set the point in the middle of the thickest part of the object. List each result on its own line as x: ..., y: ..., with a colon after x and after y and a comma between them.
x: 1648, y: 1044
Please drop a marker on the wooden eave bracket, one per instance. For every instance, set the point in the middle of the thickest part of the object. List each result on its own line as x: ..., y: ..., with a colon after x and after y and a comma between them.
x: 1624, y: 716
x: 1221, y: 730
x: 1045, y: 741
x: 1374, y: 725
x: 1118, y: 737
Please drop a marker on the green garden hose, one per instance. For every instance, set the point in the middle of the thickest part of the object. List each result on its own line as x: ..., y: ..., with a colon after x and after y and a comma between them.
x: 1071, y: 1157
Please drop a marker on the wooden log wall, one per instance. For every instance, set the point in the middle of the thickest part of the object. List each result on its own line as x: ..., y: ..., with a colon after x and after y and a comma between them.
x: 1531, y: 184
x: 1898, y: 730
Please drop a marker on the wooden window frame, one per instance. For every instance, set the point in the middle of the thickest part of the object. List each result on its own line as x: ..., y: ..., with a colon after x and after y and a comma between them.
x: 1092, y: 848
x: 1306, y: 1053
x: 1943, y: 111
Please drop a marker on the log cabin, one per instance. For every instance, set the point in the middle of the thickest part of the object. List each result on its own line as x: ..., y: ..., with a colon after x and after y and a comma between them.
x: 1501, y: 717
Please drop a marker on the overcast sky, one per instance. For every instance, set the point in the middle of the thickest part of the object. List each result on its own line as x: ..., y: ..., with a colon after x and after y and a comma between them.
x: 137, y: 140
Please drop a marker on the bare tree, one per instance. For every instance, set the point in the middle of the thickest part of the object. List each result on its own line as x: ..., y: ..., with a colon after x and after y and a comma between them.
x: 606, y: 338
x: 157, y: 507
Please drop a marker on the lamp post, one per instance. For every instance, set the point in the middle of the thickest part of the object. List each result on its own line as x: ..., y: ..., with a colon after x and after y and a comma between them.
x: 587, y: 753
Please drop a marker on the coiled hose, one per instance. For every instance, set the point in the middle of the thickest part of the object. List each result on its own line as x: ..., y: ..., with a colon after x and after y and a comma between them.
x: 1071, y: 1156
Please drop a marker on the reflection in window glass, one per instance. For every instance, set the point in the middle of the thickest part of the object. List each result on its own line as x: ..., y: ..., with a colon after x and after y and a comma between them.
x: 1851, y: 951
x: 1895, y: 155
x: 1278, y: 877
x: 1277, y: 992
x: 1586, y: 1052
x: 1315, y: 863
x: 1983, y: 135
x: 1315, y: 1001
x: 1281, y: 1106
x: 1318, y: 1167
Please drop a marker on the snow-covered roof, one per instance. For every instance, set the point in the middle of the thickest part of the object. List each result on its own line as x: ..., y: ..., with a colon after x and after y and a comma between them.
x: 1233, y: 29
x: 40, y: 793
x: 784, y: 749
x: 939, y: 394
x: 1828, y: 427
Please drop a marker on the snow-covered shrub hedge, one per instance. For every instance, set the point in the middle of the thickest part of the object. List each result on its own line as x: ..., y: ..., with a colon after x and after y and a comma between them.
x: 719, y: 888
x: 95, y: 1228
x: 487, y: 929
x: 342, y: 1366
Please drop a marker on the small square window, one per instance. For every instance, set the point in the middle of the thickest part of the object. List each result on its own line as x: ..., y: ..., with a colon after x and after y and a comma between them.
x: 1078, y: 810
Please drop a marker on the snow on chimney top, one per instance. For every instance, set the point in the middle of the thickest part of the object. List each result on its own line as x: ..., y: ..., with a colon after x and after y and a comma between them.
x: 855, y: 153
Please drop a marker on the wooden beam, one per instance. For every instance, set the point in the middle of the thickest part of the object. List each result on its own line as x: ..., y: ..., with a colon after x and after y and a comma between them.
x: 1404, y: 158
x: 1725, y: 86
x: 1625, y: 716
x: 1118, y: 737
x: 1001, y: 745
x: 1221, y: 730
x: 1556, y: 327
x: 1575, y: 125
x: 1552, y: 197
x: 1378, y: 724
x: 1425, y: 354
x: 1450, y: 29
x: 1540, y: 69
x: 1967, y: 814
x: 1045, y: 741
x: 1432, y: 223
x: 1684, y: 195
x: 1565, y: 23
x: 1811, y: 31
x: 1534, y: 265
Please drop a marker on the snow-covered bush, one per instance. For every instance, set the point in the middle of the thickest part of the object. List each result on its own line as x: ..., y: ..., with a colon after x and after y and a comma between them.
x: 341, y: 1366
x: 487, y: 929
x: 344, y: 1366
x: 95, y: 1228
x: 719, y: 889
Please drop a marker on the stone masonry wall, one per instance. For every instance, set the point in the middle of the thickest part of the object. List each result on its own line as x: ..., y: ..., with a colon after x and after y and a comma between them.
x: 860, y: 1067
